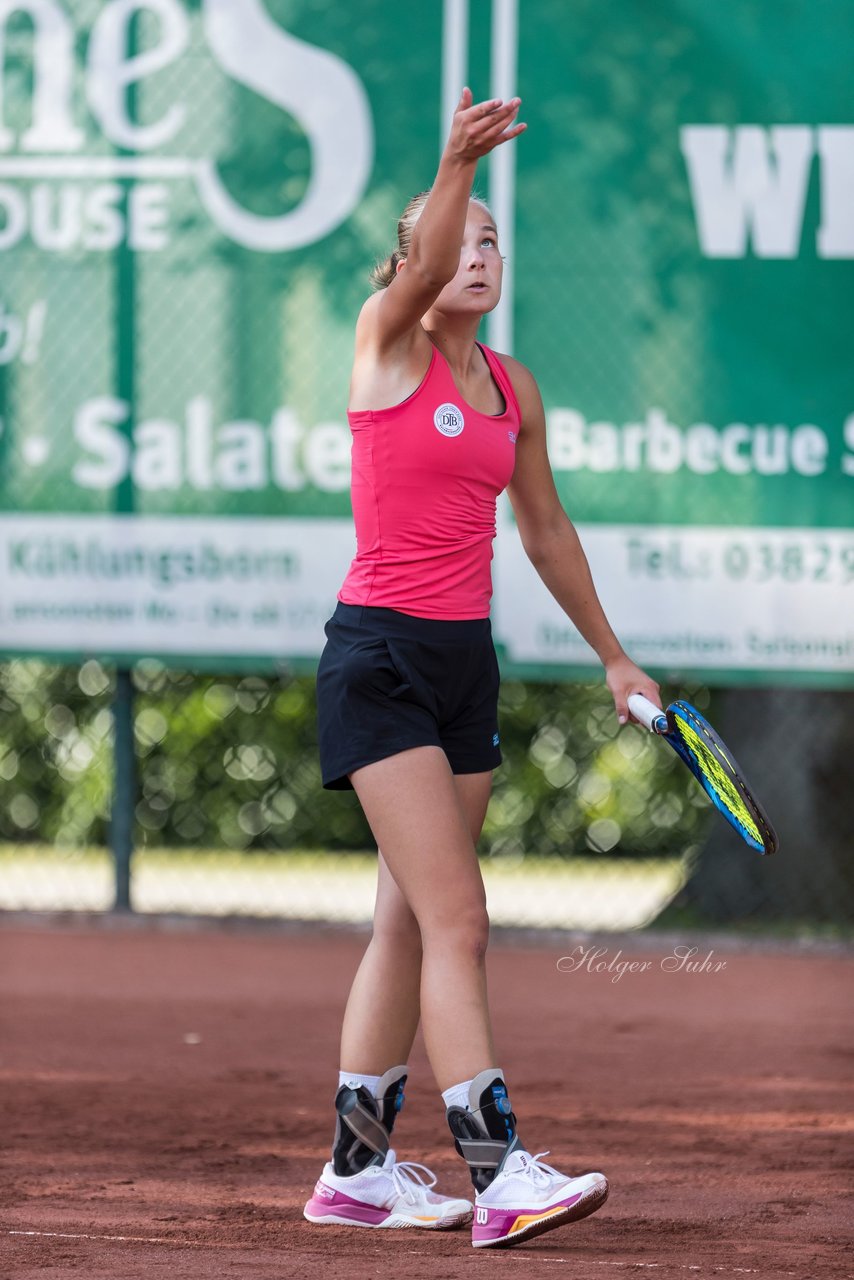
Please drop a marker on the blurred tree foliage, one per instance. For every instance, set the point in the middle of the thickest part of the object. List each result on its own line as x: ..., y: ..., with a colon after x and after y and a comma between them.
x: 231, y: 762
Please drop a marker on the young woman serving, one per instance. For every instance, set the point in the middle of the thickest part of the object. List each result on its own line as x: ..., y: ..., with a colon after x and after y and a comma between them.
x: 407, y: 704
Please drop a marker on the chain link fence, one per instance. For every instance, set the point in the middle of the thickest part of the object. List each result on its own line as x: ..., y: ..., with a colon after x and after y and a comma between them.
x: 589, y: 826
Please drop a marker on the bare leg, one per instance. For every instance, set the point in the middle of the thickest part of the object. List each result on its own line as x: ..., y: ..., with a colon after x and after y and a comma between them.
x: 424, y: 820
x: 384, y: 1005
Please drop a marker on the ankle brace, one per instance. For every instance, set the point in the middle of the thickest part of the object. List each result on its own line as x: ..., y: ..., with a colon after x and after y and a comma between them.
x: 485, y: 1134
x: 365, y: 1122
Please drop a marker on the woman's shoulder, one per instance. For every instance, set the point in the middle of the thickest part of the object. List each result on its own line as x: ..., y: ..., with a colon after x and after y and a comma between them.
x: 524, y: 382
x: 384, y: 375
x: 367, y: 314
x: 514, y: 367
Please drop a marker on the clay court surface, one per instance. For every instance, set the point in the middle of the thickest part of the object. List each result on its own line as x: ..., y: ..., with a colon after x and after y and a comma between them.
x: 166, y: 1100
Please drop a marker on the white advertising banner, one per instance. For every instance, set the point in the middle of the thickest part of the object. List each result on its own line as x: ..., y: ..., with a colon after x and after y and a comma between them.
x: 670, y: 594
x: 172, y: 586
x: 128, y: 585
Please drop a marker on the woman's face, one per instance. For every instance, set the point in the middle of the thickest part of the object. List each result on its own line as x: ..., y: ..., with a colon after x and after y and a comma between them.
x: 476, y: 287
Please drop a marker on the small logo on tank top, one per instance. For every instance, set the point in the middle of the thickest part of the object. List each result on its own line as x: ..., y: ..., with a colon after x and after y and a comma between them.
x: 449, y: 420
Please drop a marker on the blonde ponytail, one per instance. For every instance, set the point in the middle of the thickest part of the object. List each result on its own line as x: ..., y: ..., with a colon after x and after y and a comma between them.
x: 384, y: 272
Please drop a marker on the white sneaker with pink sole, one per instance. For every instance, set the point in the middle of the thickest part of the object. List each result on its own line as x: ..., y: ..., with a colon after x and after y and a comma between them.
x: 528, y: 1197
x: 388, y: 1195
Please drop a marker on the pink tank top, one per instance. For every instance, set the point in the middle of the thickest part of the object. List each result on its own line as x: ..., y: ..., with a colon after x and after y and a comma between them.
x: 426, y: 475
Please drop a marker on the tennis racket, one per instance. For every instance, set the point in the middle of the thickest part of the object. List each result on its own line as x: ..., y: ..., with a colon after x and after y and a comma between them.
x: 712, y: 764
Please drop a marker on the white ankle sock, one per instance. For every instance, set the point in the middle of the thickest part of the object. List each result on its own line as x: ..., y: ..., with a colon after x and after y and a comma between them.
x: 457, y: 1095
x: 356, y: 1078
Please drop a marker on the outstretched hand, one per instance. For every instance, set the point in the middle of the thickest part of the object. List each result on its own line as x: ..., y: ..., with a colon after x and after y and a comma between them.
x: 479, y: 128
x: 623, y: 678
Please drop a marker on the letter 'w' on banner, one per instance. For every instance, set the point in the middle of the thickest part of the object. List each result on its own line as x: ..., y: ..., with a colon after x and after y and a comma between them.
x: 749, y: 186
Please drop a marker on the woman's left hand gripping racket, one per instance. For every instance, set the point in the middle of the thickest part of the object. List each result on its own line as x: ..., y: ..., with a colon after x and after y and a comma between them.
x: 712, y: 764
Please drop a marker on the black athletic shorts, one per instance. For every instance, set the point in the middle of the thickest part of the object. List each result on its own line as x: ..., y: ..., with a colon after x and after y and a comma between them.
x: 388, y: 682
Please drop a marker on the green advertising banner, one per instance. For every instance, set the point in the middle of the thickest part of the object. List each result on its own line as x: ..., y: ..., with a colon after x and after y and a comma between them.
x: 191, y: 198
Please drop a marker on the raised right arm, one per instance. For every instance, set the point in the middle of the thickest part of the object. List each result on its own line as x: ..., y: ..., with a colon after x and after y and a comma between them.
x: 391, y: 316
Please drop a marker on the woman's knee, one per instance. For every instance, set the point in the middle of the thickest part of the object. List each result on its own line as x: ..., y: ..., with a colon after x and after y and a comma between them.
x: 466, y: 929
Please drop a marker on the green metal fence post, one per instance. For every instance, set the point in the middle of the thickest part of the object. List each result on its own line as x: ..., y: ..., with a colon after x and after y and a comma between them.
x: 124, y: 789
x: 124, y: 756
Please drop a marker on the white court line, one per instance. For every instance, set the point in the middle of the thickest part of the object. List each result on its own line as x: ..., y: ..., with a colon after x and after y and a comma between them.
x: 692, y: 1266
x: 209, y: 1244
x: 648, y: 1266
x: 73, y: 1235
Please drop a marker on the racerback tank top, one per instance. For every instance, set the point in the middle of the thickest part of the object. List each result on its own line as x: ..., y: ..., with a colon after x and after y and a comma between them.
x: 426, y: 474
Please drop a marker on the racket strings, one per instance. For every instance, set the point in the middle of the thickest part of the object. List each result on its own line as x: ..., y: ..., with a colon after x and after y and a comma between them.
x: 718, y: 779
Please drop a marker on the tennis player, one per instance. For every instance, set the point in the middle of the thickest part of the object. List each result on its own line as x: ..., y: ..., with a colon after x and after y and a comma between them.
x: 407, y: 703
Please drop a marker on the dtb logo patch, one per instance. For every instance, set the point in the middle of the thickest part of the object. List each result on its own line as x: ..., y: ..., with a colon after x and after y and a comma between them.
x: 449, y: 420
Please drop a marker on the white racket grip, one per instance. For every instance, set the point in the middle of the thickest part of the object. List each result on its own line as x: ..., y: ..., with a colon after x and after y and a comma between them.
x: 651, y: 716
